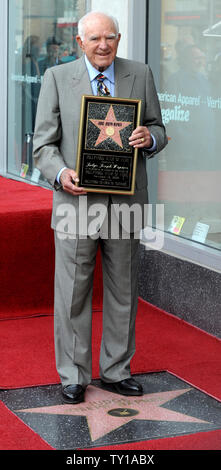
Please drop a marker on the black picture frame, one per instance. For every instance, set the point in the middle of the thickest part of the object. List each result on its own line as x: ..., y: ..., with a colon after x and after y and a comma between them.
x: 106, y: 162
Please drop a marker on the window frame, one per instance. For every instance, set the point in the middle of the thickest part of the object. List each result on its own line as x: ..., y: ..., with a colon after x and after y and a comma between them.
x: 4, y: 88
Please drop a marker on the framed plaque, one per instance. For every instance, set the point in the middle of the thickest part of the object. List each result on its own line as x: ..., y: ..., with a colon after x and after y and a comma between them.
x: 106, y: 162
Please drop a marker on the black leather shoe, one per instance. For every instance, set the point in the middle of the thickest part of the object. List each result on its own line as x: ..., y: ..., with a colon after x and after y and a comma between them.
x: 129, y: 387
x: 73, y: 394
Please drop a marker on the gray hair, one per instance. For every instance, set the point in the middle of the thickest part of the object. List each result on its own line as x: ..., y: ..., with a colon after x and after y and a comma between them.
x: 81, y: 23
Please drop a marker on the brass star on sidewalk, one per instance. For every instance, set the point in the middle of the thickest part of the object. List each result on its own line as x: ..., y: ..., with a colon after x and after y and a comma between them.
x: 110, y: 127
x: 106, y: 411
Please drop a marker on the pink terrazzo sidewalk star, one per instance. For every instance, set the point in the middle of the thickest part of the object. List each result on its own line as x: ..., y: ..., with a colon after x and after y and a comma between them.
x: 107, y: 411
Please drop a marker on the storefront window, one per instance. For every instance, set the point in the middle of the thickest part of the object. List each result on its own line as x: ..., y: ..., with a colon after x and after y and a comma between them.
x: 187, y: 65
x: 41, y: 34
x: 190, y: 97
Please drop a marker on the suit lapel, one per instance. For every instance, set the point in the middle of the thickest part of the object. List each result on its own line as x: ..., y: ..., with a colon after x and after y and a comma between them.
x: 80, y: 79
x: 124, y: 80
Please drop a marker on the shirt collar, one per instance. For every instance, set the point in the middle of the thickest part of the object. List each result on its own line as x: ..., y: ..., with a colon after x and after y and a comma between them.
x: 109, y: 72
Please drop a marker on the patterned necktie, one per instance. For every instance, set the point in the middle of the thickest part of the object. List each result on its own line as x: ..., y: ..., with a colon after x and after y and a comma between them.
x: 102, y: 89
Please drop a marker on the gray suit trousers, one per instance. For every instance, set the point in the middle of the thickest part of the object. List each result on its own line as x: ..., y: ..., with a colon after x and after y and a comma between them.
x: 75, y: 263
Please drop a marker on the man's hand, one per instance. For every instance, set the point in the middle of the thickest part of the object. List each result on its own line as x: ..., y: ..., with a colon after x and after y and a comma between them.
x: 141, y: 137
x: 68, y: 179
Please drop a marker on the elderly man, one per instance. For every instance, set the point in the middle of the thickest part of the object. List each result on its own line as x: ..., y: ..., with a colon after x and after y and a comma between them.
x: 55, y: 148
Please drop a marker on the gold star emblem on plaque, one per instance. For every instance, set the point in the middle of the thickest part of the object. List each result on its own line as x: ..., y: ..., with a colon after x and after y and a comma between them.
x: 110, y: 128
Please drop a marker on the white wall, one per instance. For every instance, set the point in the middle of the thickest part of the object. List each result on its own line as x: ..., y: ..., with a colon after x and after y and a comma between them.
x: 119, y: 9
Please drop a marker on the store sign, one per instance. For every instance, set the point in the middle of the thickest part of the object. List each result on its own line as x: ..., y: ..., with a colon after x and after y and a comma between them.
x: 200, y: 232
x: 176, y: 225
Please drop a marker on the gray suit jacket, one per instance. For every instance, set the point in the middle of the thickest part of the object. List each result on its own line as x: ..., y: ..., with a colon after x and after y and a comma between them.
x: 57, y: 126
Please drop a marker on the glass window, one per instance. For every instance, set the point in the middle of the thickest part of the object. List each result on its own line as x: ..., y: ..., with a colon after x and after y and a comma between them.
x: 41, y: 34
x: 189, y: 90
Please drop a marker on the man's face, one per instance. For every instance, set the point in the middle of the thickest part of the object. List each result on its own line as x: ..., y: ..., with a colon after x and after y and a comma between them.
x: 100, y: 41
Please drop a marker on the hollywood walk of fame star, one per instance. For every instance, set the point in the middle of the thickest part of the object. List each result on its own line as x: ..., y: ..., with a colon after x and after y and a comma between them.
x: 106, y: 411
x: 110, y: 127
